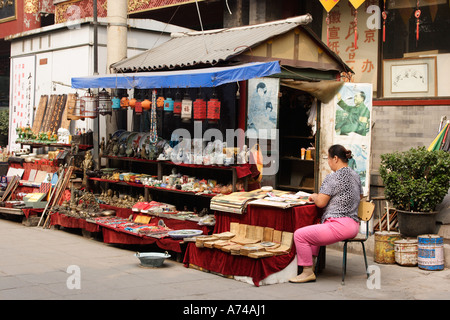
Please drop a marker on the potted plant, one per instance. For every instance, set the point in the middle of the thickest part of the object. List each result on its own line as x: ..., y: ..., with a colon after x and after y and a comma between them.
x: 416, y: 181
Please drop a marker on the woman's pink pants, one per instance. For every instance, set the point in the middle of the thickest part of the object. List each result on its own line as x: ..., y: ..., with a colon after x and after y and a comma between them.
x: 309, y: 239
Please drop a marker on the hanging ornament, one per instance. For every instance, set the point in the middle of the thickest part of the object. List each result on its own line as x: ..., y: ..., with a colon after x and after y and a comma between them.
x: 356, y: 4
x: 146, y: 104
x: 199, y: 107
x: 213, y: 113
x: 89, y: 105
x: 384, y: 15
x: 104, y: 103
x: 153, y: 129
x: 186, y: 107
x: 177, y: 104
x: 138, y: 107
x: 328, y: 5
x: 124, y: 103
x: 132, y: 103
x: 115, y: 103
x: 160, y: 100
x: 168, y: 103
x: 417, y: 15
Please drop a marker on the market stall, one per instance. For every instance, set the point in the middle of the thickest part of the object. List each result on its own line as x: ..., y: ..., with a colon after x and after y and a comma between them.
x: 216, y: 260
x: 168, y: 155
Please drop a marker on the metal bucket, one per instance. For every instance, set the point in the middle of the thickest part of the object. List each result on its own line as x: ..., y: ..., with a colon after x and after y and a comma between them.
x: 430, y: 252
x: 406, y: 252
x: 384, y: 246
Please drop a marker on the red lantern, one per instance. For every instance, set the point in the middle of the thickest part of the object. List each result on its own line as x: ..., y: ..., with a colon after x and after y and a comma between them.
x: 138, y: 107
x: 177, y: 105
x: 199, y: 108
x: 213, y: 114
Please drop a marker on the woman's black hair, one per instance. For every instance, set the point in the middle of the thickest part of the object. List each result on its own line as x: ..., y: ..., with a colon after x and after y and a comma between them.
x: 339, y: 151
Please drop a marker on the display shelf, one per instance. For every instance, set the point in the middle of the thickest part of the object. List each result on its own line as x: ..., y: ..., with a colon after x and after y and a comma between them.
x: 296, y: 159
x: 140, y: 185
x: 56, y: 145
x: 165, y: 163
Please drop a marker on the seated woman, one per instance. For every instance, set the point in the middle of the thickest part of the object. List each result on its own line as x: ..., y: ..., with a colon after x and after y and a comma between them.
x: 339, y: 195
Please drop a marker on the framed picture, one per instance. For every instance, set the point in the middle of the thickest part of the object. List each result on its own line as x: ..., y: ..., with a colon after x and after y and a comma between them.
x: 8, y: 10
x: 262, y: 108
x: 410, y: 77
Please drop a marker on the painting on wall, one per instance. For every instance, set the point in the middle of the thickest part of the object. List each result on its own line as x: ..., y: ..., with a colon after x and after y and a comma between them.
x: 410, y: 77
x: 262, y: 112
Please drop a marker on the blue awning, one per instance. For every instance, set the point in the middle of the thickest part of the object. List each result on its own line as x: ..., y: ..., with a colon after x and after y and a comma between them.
x: 194, y: 78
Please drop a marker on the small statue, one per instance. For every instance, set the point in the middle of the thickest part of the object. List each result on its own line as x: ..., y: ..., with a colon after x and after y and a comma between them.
x: 87, y: 165
x: 102, y: 147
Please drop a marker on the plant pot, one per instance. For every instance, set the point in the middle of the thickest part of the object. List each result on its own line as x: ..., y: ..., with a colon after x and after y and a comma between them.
x: 413, y: 224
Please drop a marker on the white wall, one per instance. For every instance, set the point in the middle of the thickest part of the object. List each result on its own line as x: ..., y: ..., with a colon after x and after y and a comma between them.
x: 69, y: 53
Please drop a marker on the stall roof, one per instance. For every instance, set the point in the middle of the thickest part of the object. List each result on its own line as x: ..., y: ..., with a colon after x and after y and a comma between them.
x: 206, y: 77
x: 208, y: 48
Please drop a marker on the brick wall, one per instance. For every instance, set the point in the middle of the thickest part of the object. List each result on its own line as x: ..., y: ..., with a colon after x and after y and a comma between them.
x: 398, y: 128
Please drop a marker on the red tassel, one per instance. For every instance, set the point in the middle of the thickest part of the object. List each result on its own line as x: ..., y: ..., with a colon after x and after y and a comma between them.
x: 328, y: 29
x: 356, y: 29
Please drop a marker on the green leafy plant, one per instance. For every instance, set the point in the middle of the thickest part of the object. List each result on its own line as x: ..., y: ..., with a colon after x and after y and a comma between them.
x: 416, y: 180
x: 4, y: 126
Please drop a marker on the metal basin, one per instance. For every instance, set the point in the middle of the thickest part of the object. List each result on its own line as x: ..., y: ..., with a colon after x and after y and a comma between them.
x: 152, y: 259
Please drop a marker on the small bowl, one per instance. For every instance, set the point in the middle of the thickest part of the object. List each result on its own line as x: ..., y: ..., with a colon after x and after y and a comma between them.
x: 152, y: 259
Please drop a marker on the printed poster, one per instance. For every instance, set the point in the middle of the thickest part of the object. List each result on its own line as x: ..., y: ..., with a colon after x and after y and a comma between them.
x: 352, y: 126
x: 22, y: 97
x: 262, y: 113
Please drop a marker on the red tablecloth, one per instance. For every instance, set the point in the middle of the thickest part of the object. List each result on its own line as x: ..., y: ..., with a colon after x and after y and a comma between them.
x: 71, y: 222
x: 227, y: 264
x: 32, y: 212
x: 111, y: 235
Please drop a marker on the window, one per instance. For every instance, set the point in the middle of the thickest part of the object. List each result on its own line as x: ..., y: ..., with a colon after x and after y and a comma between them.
x: 401, y: 26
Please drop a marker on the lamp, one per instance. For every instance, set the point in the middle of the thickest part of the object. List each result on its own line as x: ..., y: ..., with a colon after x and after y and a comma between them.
x: 89, y: 105
x: 213, y: 113
x: 104, y: 103
x: 199, y: 107
x: 186, y: 107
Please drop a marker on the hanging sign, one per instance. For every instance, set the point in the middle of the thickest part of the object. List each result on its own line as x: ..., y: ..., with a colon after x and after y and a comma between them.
x: 356, y: 3
x: 328, y: 4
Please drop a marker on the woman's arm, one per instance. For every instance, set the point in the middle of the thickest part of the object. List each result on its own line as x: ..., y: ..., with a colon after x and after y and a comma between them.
x: 320, y: 199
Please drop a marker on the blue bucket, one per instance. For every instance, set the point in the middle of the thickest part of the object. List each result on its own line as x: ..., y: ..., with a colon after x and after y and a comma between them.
x: 430, y: 254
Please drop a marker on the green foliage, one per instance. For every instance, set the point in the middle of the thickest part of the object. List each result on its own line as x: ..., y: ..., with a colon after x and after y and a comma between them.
x: 4, y: 122
x: 416, y: 180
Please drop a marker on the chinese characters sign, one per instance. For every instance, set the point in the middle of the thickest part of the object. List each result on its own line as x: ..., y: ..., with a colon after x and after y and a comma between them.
x: 21, y: 106
x: 362, y: 59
